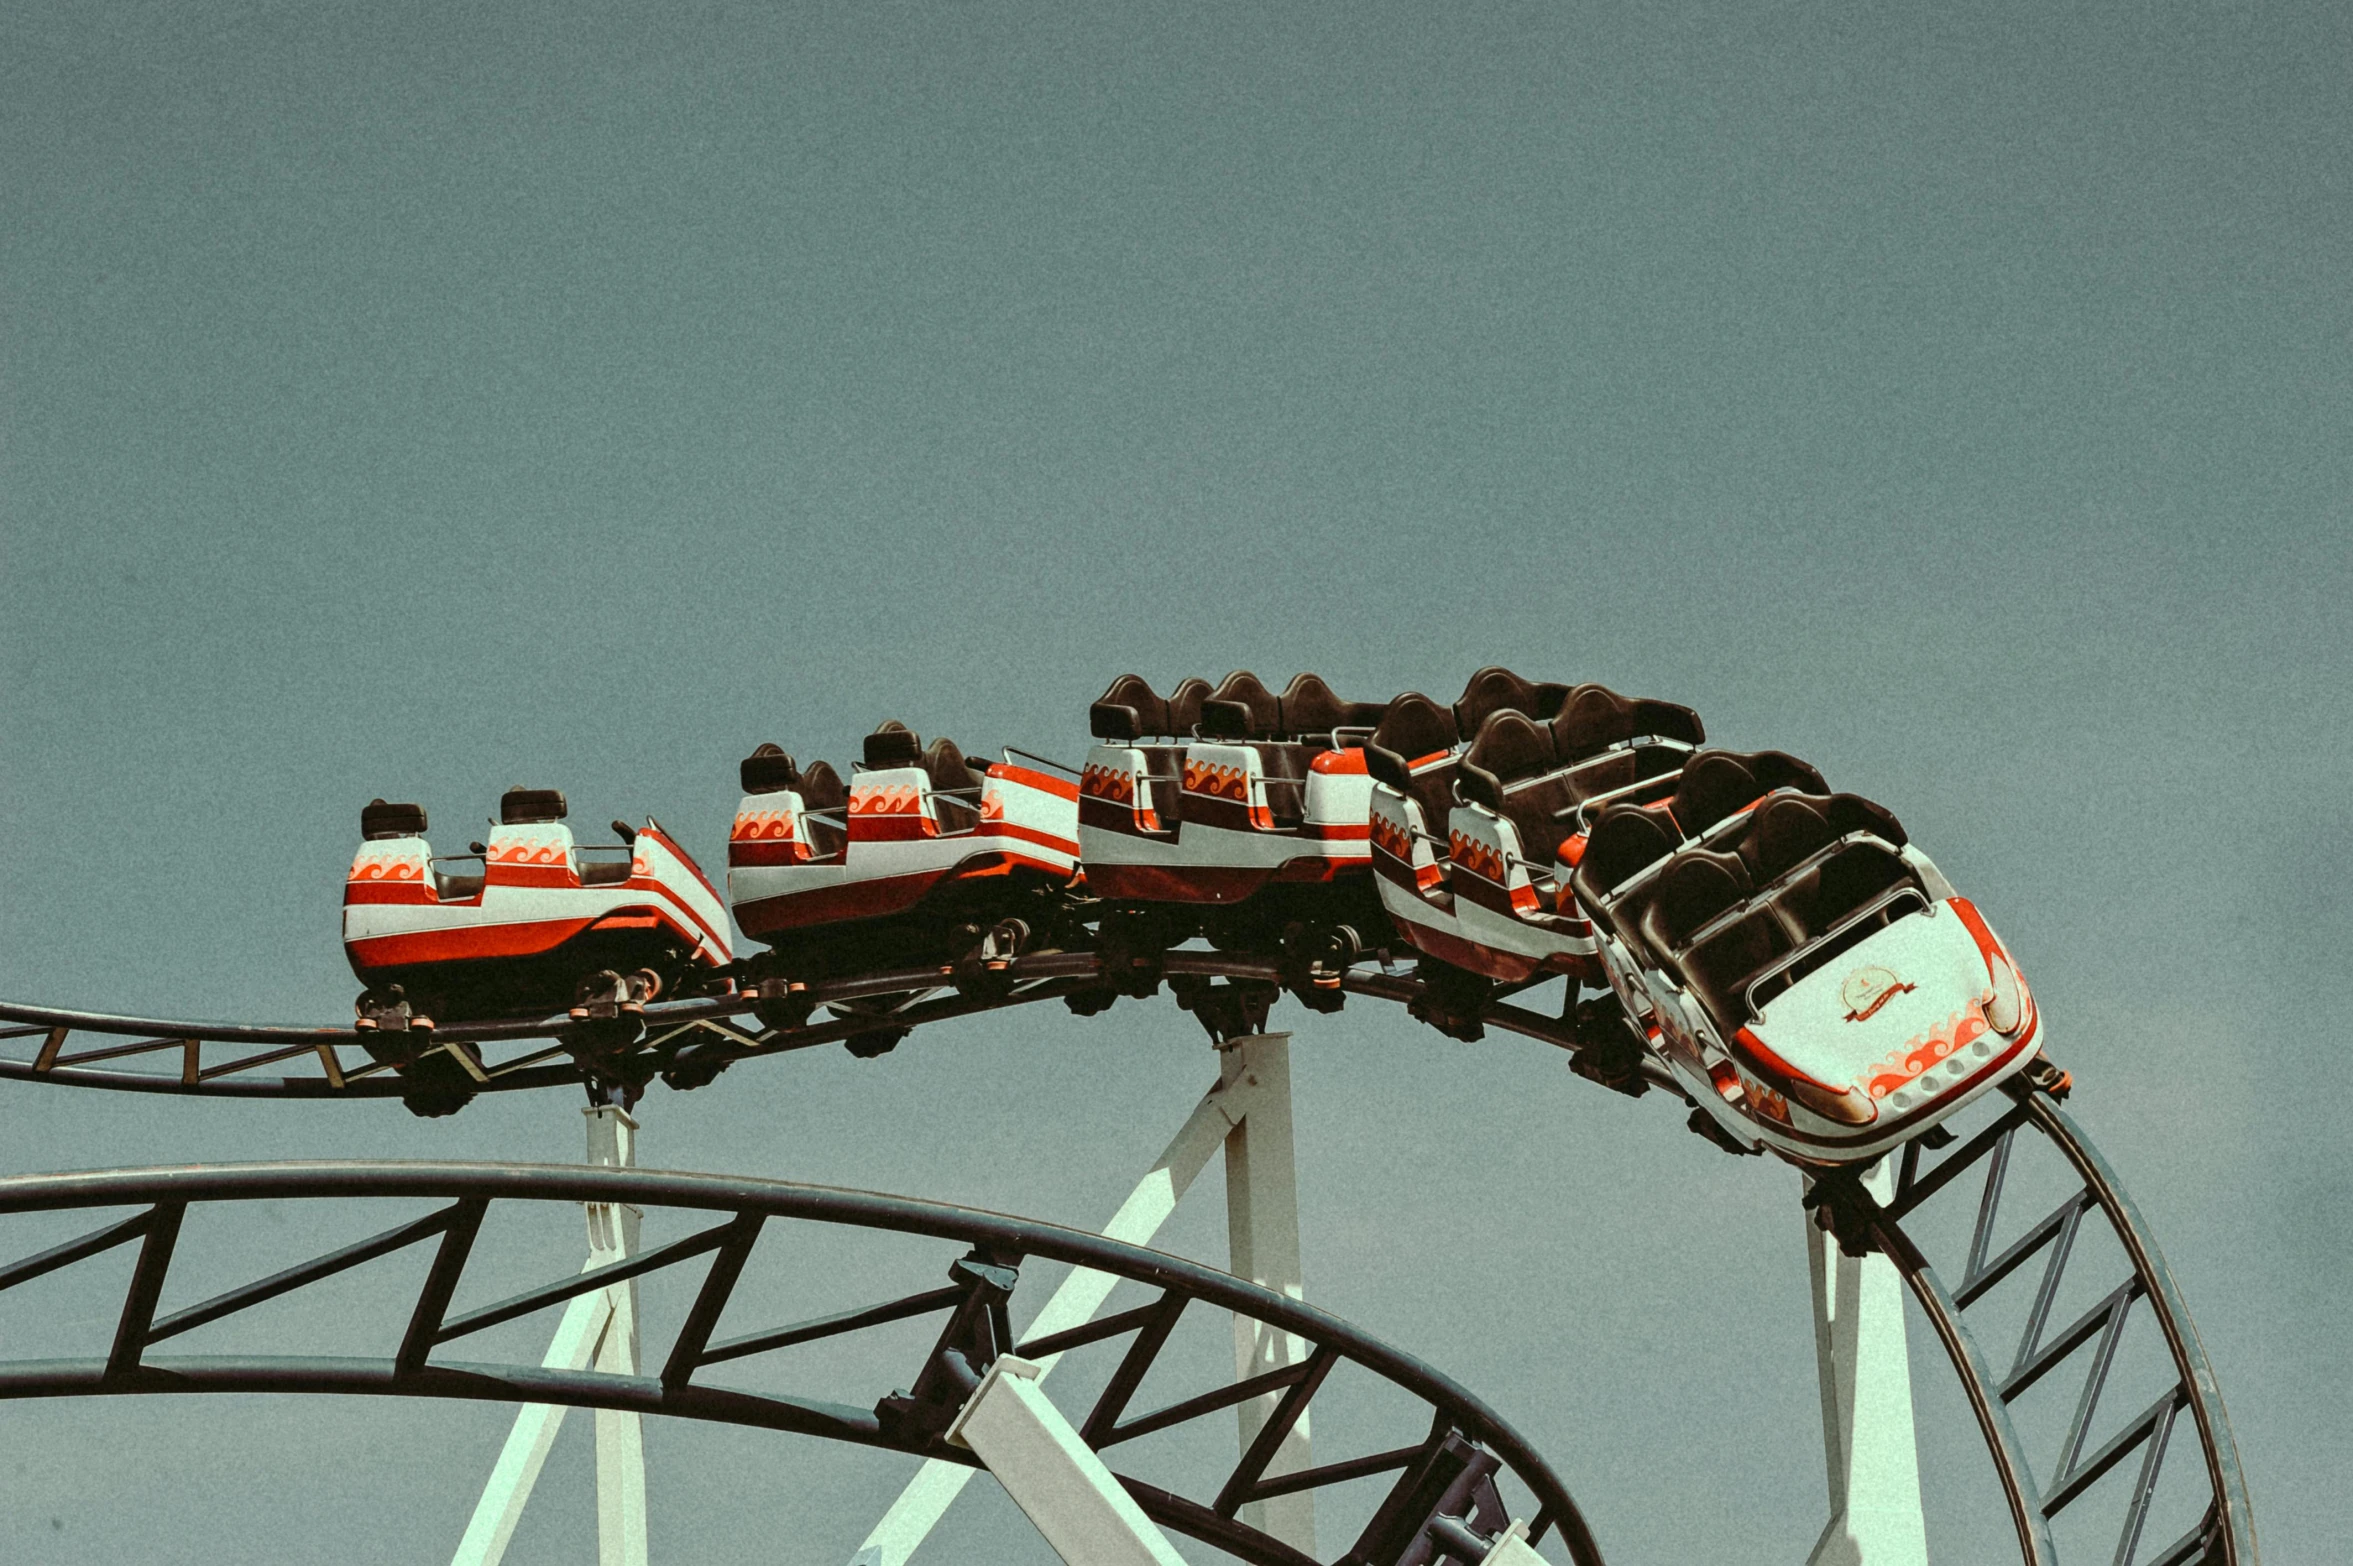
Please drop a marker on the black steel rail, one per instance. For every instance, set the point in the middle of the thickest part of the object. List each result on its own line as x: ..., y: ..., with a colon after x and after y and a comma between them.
x: 2090, y: 1344
x: 234, y: 1060
x: 1463, y: 1439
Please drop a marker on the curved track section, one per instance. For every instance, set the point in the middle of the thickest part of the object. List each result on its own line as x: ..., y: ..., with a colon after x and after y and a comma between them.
x: 226, y: 1060
x: 2076, y: 1285
x: 729, y: 1219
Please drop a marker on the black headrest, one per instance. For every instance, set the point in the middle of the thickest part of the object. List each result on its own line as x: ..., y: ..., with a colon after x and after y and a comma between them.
x: 1386, y: 766
x: 893, y: 745
x: 1668, y: 721
x: 1779, y: 769
x: 1787, y: 831
x: 1695, y: 888
x: 1509, y: 747
x: 1592, y: 719
x: 768, y: 770
x: 1414, y: 726
x: 1854, y: 813
x: 1714, y: 785
x: 1226, y: 720
x: 1265, y: 709
x: 821, y: 788
x: 378, y: 820
x: 1184, y: 705
x: 948, y: 768
x: 1626, y: 839
x: 519, y: 805
x: 1129, y: 710
x: 1492, y: 689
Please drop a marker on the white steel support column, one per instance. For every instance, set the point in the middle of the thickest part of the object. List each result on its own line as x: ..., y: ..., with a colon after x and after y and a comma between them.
x: 1053, y: 1475
x: 598, y: 1328
x: 937, y: 1484
x: 1262, y: 1231
x: 1866, y: 1375
x: 620, y: 1435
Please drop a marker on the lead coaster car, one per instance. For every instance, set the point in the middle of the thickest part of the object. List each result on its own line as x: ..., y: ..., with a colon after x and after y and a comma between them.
x: 1810, y: 977
x: 1238, y: 814
x: 1490, y: 900
x: 527, y: 925
x: 924, y: 859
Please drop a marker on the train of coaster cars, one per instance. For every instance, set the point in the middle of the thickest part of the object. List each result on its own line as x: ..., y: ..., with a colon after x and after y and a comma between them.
x: 1782, y: 950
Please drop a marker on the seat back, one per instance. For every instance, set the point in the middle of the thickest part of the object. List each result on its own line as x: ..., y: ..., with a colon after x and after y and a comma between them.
x: 768, y: 770
x: 1592, y: 719
x: 1242, y: 708
x: 1626, y: 840
x: 1510, y: 748
x: 1129, y: 710
x: 893, y: 745
x: 1184, y: 706
x: 822, y: 789
x: 1412, y: 728
x: 955, y: 786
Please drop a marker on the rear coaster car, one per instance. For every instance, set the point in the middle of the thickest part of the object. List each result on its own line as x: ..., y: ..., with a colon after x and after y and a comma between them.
x: 1234, y: 813
x: 528, y: 925
x: 923, y: 859
x: 1810, y: 977
x: 1491, y: 896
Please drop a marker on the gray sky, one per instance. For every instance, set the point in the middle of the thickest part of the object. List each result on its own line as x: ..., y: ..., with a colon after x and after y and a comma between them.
x: 415, y: 401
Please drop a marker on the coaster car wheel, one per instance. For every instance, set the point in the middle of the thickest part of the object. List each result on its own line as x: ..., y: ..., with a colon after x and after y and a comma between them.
x: 1609, y: 1051
x: 984, y: 971
x: 1316, y: 959
x: 1451, y: 999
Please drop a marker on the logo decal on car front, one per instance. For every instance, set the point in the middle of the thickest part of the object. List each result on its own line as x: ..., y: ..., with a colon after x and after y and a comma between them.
x: 1867, y: 989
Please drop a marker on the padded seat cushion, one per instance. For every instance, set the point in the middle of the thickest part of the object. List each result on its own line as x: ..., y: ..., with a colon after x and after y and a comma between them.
x: 519, y: 805
x: 1184, y: 706
x: 1720, y: 967
x: 1785, y: 833
x: 1858, y: 875
x: 1413, y: 726
x: 379, y: 820
x: 1625, y: 840
x: 821, y: 788
x: 1714, y: 785
x: 1129, y: 710
x: 1312, y: 710
x: 893, y: 745
x: 768, y: 770
x: 1592, y: 720
x: 1509, y: 749
x: 1697, y: 887
x: 1497, y: 689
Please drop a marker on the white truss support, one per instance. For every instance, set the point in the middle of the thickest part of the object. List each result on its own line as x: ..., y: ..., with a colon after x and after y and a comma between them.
x: 599, y: 1328
x: 1513, y: 1549
x: 1866, y: 1375
x: 1262, y: 1230
x: 1053, y: 1475
x: 936, y: 1485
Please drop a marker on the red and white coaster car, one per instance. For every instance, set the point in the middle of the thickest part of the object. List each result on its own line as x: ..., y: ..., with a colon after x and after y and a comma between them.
x: 1235, y: 812
x: 514, y: 929
x: 924, y: 858
x: 1492, y: 895
x: 1810, y: 977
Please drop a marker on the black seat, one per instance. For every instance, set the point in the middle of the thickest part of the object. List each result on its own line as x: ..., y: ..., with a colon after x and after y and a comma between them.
x: 1853, y: 813
x: 1697, y: 886
x: 768, y: 770
x: 1625, y: 840
x: 1591, y: 720
x: 1497, y: 689
x: 1779, y: 769
x: 822, y: 788
x: 1719, y: 968
x: 1713, y: 786
x: 1785, y: 833
x: 1184, y: 706
x: 1414, y: 728
x: 1242, y: 708
x: 1858, y: 875
x: 955, y: 786
x: 520, y: 805
x: 1312, y: 709
x: 894, y: 745
x: 1666, y: 720
x: 1129, y: 710
x: 380, y: 820
x: 1510, y: 748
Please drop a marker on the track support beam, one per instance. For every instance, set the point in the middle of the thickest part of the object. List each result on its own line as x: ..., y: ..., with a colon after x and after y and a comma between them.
x: 1053, y: 1475
x: 599, y: 1329
x: 1262, y: 1236
x: 1868, y: 1446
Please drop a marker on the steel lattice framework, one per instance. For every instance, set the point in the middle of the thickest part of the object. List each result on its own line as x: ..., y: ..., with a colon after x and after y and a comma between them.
x: 1445, y: 1468
x: 692, y: 1041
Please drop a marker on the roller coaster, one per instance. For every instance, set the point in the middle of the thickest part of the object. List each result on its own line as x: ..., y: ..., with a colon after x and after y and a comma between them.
x: 1725, y: 929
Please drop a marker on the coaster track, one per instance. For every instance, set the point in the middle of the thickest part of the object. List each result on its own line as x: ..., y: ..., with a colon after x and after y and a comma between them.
x: 1443, y: 1493
x: 689, y: 1042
